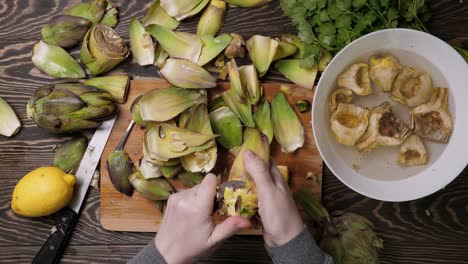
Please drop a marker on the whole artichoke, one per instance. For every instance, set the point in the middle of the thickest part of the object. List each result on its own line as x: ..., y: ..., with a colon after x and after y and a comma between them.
x: 70, y: 107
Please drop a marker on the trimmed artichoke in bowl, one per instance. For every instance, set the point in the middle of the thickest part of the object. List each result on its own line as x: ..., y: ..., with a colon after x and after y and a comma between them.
x: 432, y: 120
x: 383, y: 69
x: 348, y: 123
x: 340, y: 95
x: 385, y: 129
x: 412, y: 151
x: 356, y: 78
x: 412, y: 88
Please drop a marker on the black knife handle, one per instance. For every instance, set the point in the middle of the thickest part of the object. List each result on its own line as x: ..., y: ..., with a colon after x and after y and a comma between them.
x: 53, y: 248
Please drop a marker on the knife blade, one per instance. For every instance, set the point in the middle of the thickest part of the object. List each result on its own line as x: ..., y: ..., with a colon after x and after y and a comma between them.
x: 66, y: 218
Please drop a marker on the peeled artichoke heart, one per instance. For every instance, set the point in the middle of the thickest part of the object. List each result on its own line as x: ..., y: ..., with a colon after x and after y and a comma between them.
x: 157, y: 189
x: 65, y: 31
x: 120, y: 168
x: 157, y: 15
x: 385, y: 129
x: 251, y: 84
x: 412, y: 88
x: 412, y: 152
x: 356, y: 78
x: 141, y: 43
x: 161, y: 105
x: 70, y: 107
x: 242, y: 110
x: 55, y: 61
x: 69, y: 154
x: 236, y: 48
x: 186, y: 74
x: 432, y: 120
x: 180, y: 45
x: 212, y: 47
x: 110, y: 16
x: 228, y: 126
x: 292, y: 70
x: 93, y: 11
x: 340, y: 95
x: 284, y: 50
x: 247, y: 3
x: 262, y: 118
x: 287, y: 128
x: 348, y: 123
x: 243, y: 200
x: 9, y: 122
x: 168, y: 141
x: 116, y: 85
x: 103, y: 49
x: 383, y: 70
x: 212, y: 19
x: 262, y: 50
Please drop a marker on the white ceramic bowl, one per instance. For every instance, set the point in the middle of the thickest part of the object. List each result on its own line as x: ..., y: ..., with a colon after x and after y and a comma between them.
x: 376, y: 174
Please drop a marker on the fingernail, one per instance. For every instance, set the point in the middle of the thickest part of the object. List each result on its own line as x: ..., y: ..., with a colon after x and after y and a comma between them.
x: 248, y: 154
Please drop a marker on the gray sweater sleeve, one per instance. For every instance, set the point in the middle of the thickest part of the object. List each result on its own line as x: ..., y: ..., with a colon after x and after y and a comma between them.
x: 148, y: 255
x: 300, y: 250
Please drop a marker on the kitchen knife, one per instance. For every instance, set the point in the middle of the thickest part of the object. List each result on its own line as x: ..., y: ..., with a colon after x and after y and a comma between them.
x: 66, y: 218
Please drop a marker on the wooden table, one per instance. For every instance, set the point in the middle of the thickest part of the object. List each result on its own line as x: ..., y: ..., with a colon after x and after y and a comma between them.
x: 430, y: 230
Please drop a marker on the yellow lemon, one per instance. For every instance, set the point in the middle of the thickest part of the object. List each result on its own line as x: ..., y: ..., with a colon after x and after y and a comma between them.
x: 42, y: 192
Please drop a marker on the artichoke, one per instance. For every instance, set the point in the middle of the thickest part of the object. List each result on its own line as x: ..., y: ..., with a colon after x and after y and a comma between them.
x: 251, y: 84
x: 154, y: 189
x: 382, y: 71
x: 103, y: 49
x: 385, y: 129
x: 340, y: 95
x: 293, y: 71
x: 225, y: 123
x: 243, y: 110
x: 287, y: 127
x: 285, y: 49
x: 190, y: 179
x: 235, y: 80
x: 262, y: 118
x: 70, y: 107
x: 412, y: 88
x: 116, y: 85
x: 186, y: 74
x: 412, y: 152
x: 348, y: 123
x: 93, y: 11
x: 65, y: 31
x: 356, y: 78
x: 69, y: 154
x: 212, y: 47
x: 120, y: 168
x: 183, y: 8
x: 262, y: 50
x: 432, y: 120
x: 110, y: 16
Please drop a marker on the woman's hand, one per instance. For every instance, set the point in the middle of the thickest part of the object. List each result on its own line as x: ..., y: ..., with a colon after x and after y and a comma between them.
x: 280, y: 218
x: 188, y: 230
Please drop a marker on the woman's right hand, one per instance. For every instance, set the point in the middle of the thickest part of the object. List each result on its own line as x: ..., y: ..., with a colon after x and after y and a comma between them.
x: 280, y: 217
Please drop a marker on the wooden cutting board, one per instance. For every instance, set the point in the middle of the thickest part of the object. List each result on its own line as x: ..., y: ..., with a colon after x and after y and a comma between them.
x: 122, y: 213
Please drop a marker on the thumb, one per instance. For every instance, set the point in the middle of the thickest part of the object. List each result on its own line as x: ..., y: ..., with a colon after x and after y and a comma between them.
x: 228, y: 228
x: 259, y: 172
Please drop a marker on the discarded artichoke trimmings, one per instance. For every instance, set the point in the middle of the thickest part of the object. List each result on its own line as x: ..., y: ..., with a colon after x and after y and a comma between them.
x: 148, y: 169
x: 432, y: 120
x: 340, y: 95
x: 287, y: 128
x: 412, y: 88
x: 116, y: 85
x: 348, y: 123
x: 262, y: 50
x: 292, y: 70
x: 110, y: 16
x: 236, y: 48
x: 65, y: 31
x: 228, y: 126
x: 157, y: 15
x: 383, y: 69
x: 251, y: 84
x: 55, y: 61
x: 69, y: 154
x: 242, y: 110
x: 9, y: 122
x: 356, y: 78
x: 212, y: 47
x: 154, y: 189
x: 284, y: 50
x: 247, y: 3
x: 385, y: 129
x: 262, y: 118
x: 170, y: 171
x: 141, y: 44
x: 120, y: 167
x: 212, y: 19
x: 93, y: 10
x: 303, y: 106
x: 412, y: 152
x: 190, y: 179
x: 186, y: 74
x: 234, y: 79
x: 183, y: 9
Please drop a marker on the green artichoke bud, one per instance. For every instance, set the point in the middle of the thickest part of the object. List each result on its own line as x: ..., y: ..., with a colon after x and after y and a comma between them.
x: 177, y: 44
x: 190, y: 179
x: 157, y: 15
x: 110, y: 16
x: 103, y: 49
x: 287, y: 127
x: 183, y: 9
x: 56, y: 62
x: 284, y: 50
x: 170, y: 171
x: 243, y: 110
x: 93, y: 11
x: 212, y: 47
x: 262, y: 50
x: 212, y: 19
x: 69, y: 154
x: 250, y: 82
x: 70, y: 107
x: 186, y: 74
x: 229, y: 128
x: 156, y: 189
x: 236, y: 48
x: 65, y: 31
x: 141, y: 44
x: 9, y: 122
x: 116, y: 85
x: 120, y: 168
x: 262, y: 118
x: 292, y: 70
x: 247, y: 3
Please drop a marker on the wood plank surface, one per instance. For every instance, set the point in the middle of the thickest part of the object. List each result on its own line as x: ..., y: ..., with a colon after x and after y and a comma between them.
x: 411, y: 234
x: 122, y: 213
